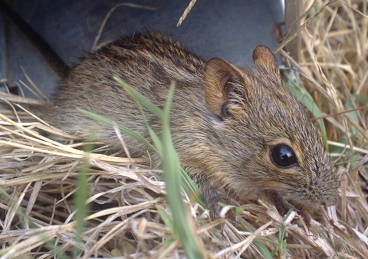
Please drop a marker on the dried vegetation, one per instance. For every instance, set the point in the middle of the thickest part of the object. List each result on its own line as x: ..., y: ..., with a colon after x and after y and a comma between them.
x: 39, y: 176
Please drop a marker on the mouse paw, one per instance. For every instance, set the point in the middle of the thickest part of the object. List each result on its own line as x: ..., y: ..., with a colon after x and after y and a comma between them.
x: 280, y: 203
x: 306, y: 217
x: 213, y: 201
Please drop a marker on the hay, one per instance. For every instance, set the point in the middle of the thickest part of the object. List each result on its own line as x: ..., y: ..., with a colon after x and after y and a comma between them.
x: 39, y: 176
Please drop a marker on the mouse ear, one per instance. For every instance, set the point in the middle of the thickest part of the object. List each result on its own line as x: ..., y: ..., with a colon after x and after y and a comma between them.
x: 219, y: 80
x: 264, y: 58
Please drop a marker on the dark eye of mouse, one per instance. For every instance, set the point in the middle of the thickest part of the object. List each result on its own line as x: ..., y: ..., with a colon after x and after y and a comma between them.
x: 283, y: 156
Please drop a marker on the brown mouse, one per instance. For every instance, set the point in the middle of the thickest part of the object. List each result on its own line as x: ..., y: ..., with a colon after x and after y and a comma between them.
x: 233, y: 128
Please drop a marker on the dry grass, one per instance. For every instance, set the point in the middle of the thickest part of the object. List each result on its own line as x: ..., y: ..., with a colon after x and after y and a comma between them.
x: 39, y: 176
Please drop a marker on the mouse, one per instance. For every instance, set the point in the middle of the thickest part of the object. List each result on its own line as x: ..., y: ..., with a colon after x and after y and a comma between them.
x: 232, y: 128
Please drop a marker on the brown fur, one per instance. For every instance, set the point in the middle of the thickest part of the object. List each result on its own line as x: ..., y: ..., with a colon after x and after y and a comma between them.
x: 224, y: 120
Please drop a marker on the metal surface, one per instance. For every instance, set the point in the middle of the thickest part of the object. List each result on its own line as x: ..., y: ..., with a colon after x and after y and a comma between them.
x: 214, y: 28
x: 2, y: 51
x: 292, y: 14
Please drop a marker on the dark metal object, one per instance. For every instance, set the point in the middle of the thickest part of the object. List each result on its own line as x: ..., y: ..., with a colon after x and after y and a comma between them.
x: 292, y: 14
x: 214, y: 28
x: 46, y: 51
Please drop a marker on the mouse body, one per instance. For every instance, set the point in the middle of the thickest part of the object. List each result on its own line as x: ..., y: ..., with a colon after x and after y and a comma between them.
x: 232, y: 127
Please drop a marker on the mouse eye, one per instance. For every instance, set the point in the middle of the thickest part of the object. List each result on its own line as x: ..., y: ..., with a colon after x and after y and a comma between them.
x: 283, y: 156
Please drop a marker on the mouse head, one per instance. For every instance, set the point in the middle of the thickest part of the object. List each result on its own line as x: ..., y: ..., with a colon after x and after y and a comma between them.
x: 268, y: 140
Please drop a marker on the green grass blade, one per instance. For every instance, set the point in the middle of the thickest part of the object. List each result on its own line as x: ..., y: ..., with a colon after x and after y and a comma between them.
x: 354, y: 115
x: 363, y: 99
x: 262, y: 249
x: 80, y: 200
x: 191, y: 188
x: 167, y: 220
x: 189, y: 185
x: 173, y: 173
x: 122, y: 128
x: 172, y: 178
x: 141, y: 99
